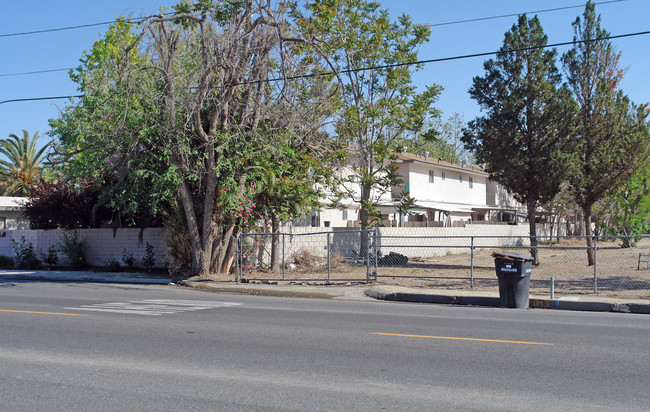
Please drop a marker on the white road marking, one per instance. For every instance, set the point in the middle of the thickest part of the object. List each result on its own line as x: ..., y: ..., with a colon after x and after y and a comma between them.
x: 154, y: 307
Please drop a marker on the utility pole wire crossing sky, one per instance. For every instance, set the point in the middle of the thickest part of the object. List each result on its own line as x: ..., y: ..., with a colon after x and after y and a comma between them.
x: 388, y: 66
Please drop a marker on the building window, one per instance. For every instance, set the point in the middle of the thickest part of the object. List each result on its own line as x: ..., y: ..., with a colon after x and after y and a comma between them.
x: 460, y: 178
x: 431, y: 176
x: 471, y: 182
x: 345, y: 214
x: 443, y: 175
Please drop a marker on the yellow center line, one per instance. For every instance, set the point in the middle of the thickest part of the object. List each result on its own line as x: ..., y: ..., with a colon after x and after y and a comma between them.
x: 42, y: 313
x: 469, y: 339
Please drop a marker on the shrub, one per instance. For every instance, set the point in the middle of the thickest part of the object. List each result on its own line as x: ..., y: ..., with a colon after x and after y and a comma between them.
x: 127, y: 258
x: 112, y: 265
x: 6, y: 262
x: 25, y: 255
x: 65, y: 205
x: 73, y: 249
x: 149, y: 258
x: 179, y: 254
x: 52, y: 257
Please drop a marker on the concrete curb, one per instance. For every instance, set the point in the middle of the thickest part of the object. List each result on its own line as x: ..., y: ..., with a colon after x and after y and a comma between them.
x: 235, y: 289
x: 381, y: 293
x: 87, y: 278
x: 358, y: 292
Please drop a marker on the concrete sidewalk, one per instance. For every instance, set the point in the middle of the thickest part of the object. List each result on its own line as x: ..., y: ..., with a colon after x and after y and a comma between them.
x: 345, y: 291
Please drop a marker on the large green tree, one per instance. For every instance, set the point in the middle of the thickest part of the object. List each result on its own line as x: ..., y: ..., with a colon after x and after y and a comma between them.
x: 22, y: 167
x: 612, y: 133
x: 373, y: 60
x: 180, y: 111
x: 524, y: 137
x: 627, y: 211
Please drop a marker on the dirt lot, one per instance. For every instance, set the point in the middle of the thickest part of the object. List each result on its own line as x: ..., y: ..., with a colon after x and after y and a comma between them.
x: 616, y: 271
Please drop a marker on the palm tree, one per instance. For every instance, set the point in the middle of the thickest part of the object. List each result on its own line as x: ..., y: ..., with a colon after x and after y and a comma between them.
x: 21, y: 170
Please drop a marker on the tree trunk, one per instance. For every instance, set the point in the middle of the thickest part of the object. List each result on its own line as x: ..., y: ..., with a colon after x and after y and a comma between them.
x: 193, y: 228
x: 364, y: 216
x: 275, y: 243
x: 532, y: 229
x: 588, y: 232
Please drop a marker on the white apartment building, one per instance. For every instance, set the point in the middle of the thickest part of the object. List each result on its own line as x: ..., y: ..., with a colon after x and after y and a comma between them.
x: 445, y: 194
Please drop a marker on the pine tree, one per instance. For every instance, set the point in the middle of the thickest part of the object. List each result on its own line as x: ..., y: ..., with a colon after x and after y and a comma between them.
x: 524, y: 137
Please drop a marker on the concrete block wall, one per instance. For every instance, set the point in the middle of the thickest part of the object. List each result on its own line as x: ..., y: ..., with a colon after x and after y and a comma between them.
x: 101, y: 244
x: 440, y: 241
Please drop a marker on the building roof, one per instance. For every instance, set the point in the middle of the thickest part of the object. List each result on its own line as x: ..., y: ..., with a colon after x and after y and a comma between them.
x: 8, y: 203
x: 405, y: 157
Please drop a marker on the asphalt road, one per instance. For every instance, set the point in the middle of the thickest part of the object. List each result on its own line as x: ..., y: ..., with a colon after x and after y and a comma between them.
x: 107, y: 347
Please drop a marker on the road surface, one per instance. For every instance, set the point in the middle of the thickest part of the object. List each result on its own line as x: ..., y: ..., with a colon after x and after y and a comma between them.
x: 106, y: 348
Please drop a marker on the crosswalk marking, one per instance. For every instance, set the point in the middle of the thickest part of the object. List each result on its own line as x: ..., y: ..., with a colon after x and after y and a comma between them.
x: 154, y: 307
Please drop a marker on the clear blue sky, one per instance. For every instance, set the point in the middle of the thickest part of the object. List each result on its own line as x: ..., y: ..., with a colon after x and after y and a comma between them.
x: 63, y: 49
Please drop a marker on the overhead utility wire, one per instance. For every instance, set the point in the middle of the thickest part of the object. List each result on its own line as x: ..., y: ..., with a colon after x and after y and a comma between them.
x: 37, y: 72
x: 140, y: 19
x: 131, y: 20
x: 387, y: 66
x: 33, y: 99
x: 443, y: 59
x: 517, y: 14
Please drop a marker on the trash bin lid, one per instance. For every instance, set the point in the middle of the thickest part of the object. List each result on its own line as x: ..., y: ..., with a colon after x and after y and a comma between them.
x: 511, y: 256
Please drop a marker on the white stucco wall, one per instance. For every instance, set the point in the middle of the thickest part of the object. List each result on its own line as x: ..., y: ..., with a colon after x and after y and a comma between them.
x: 448, y: 189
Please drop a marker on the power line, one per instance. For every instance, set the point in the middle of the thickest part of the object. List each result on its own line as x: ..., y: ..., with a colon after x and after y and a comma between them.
x: 37, y: 72
x: 388, y: 66
x: 81, y: 26
x: 134, y: 20
x: 140, y: 19
x: 33, y: 99
x: 443, y: 59
x: 517, y: 14
x: 137, y: 20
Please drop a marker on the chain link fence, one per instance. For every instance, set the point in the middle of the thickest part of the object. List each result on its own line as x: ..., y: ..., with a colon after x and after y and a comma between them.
x: 338, y: 255
x: 456, y: 262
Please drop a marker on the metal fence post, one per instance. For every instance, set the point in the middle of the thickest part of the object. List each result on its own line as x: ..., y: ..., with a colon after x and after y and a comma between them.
x: 329, y: 262
x: 552, y: 287
x: 238, y: 262
x: 471, y: 267
x: 284, y: 266
x: 367, y: 235
x: 374, y: 251
x: 595, y: 264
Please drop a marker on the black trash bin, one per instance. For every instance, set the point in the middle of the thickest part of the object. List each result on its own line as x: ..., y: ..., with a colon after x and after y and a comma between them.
x: 513, y: 272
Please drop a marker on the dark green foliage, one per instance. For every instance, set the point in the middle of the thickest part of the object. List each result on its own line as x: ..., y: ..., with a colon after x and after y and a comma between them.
x: 74, y: 249
x: 112, y: 265
x: 6, y: 262
x: 149, y: 258
x: 66, y: 206
x: 525, y: 137
x: 52, y: 257
x: 127, y: 258
x: 25, y: 255
x: 612, y: 136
